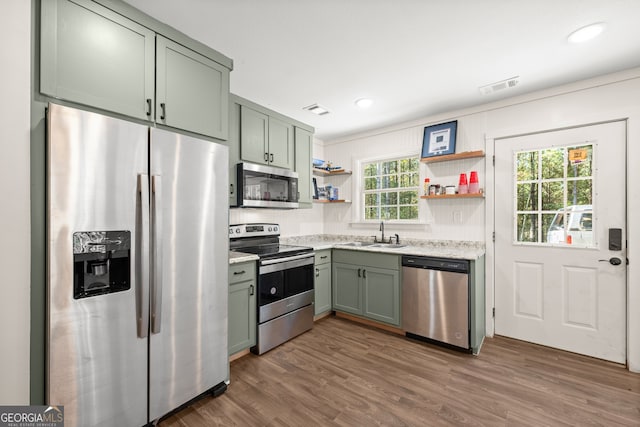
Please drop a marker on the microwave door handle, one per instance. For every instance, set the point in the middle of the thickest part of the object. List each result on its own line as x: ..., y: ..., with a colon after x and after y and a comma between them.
x: 156, y: 229
x: 142, y: 237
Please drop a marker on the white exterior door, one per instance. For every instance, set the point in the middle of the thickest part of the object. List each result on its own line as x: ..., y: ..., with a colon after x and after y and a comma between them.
x: 560, y: 205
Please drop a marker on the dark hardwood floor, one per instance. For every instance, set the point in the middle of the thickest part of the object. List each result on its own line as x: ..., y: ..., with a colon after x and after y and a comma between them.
x: 345, y: 374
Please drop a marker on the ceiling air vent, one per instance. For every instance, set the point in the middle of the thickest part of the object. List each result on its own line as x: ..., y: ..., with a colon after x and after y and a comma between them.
x: 317, y: 109
x: 501, y: 85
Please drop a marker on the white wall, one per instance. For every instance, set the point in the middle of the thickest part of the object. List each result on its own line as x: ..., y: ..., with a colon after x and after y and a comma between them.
x: 15, y: 29
x: 606, y: 98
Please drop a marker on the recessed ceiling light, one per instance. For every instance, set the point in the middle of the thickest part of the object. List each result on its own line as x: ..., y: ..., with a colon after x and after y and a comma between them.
x: 586, y: 33
x: 364, y: 102
x: 317, y: 109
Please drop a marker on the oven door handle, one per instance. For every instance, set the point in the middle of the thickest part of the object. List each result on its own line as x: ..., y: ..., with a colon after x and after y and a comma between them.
x: 291, y: 258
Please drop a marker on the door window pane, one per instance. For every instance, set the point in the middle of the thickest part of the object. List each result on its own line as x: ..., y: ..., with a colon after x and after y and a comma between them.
x: 553, y: 163
x: 528, y: 196
x: 527, y: 165
x: 527, y: 227
x: 554, y: 196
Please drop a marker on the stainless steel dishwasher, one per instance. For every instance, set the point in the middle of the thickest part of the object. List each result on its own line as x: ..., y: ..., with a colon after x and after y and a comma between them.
x: 435, y: 300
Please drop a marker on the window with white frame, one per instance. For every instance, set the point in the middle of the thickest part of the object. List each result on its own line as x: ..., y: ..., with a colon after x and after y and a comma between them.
x: 390, y: 189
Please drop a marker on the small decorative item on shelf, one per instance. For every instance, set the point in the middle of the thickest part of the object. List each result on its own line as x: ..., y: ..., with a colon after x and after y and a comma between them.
x: 426, y: 186
x: 474, y: 185
x: 463, y: 187
x: 323, y: 192
x: 439, y: 139
x: 333, y: 193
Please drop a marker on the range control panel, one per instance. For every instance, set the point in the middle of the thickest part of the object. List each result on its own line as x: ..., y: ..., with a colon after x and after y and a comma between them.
x: 253, y: 230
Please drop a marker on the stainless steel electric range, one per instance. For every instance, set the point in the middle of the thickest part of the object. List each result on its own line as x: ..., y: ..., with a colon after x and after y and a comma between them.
x: 285, y: 283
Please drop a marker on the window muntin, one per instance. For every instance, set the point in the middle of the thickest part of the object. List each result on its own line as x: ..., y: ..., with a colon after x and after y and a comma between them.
x: 554, y: 188
x: 390, y: 189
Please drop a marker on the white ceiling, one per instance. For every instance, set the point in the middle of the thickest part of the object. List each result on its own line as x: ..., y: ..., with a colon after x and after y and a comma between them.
x: 414, y: 58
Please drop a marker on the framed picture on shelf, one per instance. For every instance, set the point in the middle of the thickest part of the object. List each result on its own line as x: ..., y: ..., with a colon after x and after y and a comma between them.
x: 439, y: 140
x: 315, y: 189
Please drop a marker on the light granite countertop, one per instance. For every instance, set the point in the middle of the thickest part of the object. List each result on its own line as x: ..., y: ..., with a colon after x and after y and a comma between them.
x: 435, y: 248
x: 238, y: 257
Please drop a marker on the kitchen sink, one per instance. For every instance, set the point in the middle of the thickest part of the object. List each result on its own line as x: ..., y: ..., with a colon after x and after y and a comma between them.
x: 386, y: 245
x: 358, y: 244
x: 373, y: 245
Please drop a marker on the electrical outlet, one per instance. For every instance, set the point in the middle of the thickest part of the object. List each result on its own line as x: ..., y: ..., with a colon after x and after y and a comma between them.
x: 457, y: 217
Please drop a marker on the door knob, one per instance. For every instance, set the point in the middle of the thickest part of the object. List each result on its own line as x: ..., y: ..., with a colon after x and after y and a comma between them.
x: 612, y: 261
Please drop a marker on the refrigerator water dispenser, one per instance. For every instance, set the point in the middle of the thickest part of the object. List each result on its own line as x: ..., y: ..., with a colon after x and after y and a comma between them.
x: 101, y: 262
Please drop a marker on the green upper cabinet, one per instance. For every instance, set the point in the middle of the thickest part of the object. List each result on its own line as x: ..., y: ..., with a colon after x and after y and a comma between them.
x: 254, y: 135
x: 303, y: 150
x: 192, y: 91
x: 265, y: 139
x: 280, y: 143
x: 93, y: 56
x: 99, y: 57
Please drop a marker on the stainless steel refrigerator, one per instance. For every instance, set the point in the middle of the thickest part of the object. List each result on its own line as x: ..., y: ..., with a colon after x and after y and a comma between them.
x: 137, y: 269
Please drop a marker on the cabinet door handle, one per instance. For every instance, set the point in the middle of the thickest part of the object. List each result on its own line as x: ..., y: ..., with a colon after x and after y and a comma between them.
x: 148, y: 107
x: 266, y: 157
x: 359, y: 272
x: 271, y: 155
x: 251, y: 290
x: 317, y: 273
x: 238, y: 272
x: 364, y: 273
x: 163, y: 110
x: 323, y: 257
x: 231, y: 186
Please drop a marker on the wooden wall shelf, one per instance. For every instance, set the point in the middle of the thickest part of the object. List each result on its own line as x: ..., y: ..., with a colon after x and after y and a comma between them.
x: 330, y: 201
x: 455, y: 196
x: 322, y: 172
x: 457, y: 156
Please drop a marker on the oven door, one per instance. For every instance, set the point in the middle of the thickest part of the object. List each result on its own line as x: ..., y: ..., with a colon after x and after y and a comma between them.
x: 284, y: 285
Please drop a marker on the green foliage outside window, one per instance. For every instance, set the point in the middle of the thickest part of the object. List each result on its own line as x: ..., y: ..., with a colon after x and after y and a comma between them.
x: 391, y: 189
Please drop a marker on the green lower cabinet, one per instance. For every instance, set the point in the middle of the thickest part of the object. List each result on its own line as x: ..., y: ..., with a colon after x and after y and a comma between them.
x: 365, y: 290
x: 242, y: 307
x: 322, y: 288
x: 381, y: 295
x: 347, y: 296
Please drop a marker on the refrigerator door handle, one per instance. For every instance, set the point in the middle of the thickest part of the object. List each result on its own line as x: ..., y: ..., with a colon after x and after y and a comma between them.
x: 156, y: 230
x: 142, y: 281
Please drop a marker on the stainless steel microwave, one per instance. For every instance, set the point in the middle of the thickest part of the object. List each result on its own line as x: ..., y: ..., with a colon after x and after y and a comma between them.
x: 266, y: 186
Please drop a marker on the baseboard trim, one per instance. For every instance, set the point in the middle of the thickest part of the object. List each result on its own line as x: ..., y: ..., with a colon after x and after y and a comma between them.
x: 368, y: 322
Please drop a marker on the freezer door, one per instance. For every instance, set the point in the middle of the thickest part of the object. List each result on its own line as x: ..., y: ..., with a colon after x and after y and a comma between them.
x: 189, y: 290
x: 96, y: 359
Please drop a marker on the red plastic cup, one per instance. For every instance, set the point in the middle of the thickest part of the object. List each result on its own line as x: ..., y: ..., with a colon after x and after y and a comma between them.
x: 474, y: 186
x: 463, y: 188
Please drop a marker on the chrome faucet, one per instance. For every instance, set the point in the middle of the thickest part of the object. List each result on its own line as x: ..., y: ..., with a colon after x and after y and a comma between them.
x: 382, y: 230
